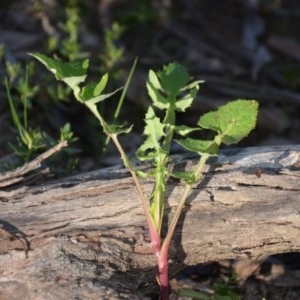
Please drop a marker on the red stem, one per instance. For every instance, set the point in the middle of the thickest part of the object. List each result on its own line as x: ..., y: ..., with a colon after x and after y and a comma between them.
x: 163, y: 272
x: 161, y: 254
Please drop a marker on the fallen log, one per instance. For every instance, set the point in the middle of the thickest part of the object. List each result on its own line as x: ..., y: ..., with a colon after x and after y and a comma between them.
x: 85, y: 237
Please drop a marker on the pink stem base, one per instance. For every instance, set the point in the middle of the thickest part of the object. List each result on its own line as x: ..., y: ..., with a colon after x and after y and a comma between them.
x: 163, y: 278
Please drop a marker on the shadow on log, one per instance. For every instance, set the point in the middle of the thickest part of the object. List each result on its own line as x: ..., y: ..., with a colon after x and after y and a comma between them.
x: 85, y: 237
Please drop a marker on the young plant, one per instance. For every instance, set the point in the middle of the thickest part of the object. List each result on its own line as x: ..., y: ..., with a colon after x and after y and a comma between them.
x: 30, y: 141
x: 65, y: 38
x: 113, y: 53
x: 171, y: 91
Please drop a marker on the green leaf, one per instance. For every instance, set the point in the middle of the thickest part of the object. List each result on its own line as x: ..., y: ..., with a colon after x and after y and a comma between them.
x: 94, y: 89
x: 199, y: 146
x: 101, y: 84
x: 25, y: 136
x: 153, y: 79
x: 142, y: 174
x: 108, y: 129
x: 185, y: 102
x: 154, y: 130
x: 72, y: 73
x: 117, y: 129
x: 192, y: 85
x: 158, y: 100
x: 184, y: 130
x: 232, y: 121
x: 87, y: 92
x: 165, y: 87
x: 101, y: 97
x: 173, y: 78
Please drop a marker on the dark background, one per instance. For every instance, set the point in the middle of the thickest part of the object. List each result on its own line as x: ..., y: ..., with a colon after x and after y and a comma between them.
x: 242, y: 49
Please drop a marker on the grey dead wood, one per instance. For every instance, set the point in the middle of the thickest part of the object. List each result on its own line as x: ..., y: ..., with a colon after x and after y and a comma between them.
x: 85, y: 237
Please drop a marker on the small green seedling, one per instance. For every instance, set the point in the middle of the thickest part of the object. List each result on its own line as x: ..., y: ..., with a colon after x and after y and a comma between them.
x: 171, y: 91
x: 30, y: 141
x: 113, y: 53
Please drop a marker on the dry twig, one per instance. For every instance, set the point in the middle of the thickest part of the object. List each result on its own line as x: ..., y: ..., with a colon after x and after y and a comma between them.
x: 17, y: 175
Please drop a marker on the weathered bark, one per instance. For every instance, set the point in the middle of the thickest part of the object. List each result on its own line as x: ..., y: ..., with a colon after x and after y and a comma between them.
x: 85, y: 237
